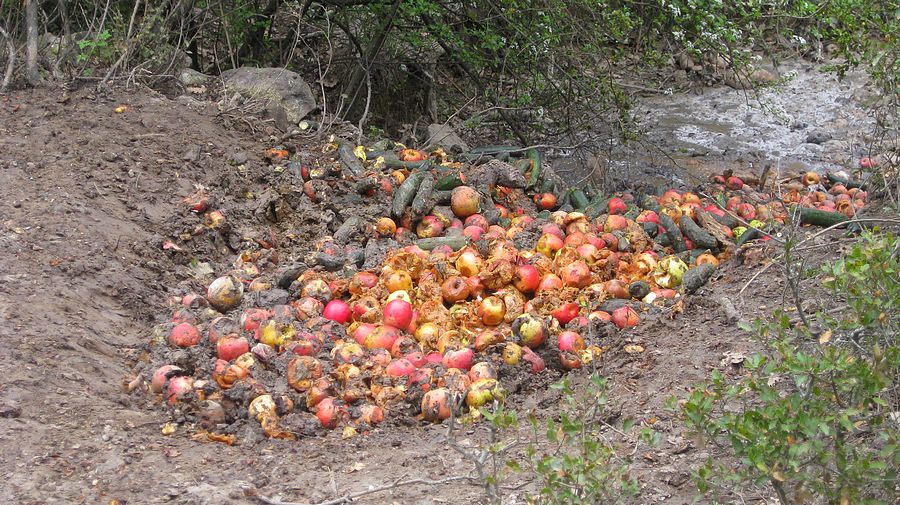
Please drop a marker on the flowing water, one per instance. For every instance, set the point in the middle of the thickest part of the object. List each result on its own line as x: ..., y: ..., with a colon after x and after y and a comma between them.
x: 809, y: 120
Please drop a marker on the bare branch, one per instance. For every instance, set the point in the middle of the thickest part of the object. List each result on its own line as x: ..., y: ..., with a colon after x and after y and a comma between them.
x: 349, y: 497
x: 10, y: 61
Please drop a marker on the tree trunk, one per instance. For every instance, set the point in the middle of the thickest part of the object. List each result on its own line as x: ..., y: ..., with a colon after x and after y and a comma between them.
x: 31, y: 47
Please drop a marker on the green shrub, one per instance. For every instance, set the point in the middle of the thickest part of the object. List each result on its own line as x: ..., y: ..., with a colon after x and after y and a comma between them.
x: 816, y: 417
x: 581, y: 465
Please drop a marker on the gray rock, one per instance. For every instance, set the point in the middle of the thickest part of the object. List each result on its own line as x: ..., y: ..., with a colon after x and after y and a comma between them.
x: 444, y: 136
x: 762, y: 76
x: 239, y: 157
x: 190, y: 77
x: 743, y: 80
x: 818, y: 138
x: 280, y: 87
x: 166, y: 58
x: 191, y: 153
x: 685, y: 61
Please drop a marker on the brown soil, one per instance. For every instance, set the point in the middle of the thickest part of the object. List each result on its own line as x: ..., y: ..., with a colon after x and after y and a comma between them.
x: 87, y: 197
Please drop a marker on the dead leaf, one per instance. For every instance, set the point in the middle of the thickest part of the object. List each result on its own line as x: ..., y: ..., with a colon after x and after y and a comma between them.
x: 355, y: 467
x: 778, y: 476
x: 825, y: 337
x: 169, y: 245
x: 349, y: 432
x: 634, y: 349
x: 222, y: 438
x: 196, y: 90
x: 274, y: 155
x: 201, y: 269
x: 120, y: 109
x: 169, y: 428
x: 732, y: 358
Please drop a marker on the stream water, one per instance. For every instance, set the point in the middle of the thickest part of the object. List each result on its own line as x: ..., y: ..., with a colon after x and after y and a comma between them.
x: 808, y: 120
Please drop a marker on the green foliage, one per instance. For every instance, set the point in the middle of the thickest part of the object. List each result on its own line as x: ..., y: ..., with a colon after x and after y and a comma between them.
x: 98, y: 48
x: 868, y: 278
x: 815, y: 417
x: 569, y: 453
x: 559, y: 63
x: 582, y: 466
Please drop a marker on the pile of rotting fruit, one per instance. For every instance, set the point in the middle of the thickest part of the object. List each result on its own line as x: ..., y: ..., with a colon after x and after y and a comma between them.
x: 478, y: 273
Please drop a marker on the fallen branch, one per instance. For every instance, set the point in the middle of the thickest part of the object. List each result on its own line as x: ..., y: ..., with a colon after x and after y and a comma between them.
x: 349, y: 497
x: 814, y: 236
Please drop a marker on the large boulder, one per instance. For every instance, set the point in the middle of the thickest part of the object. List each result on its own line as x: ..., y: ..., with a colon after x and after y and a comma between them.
x: 191, y: 77
x: 443, y: 135
x: 283, y: 89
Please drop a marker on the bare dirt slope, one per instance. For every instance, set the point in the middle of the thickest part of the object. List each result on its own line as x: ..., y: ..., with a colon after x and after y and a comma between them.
x: 88, y: 195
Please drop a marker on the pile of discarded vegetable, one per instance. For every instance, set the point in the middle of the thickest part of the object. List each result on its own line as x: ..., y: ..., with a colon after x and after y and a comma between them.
x: 481, y: 269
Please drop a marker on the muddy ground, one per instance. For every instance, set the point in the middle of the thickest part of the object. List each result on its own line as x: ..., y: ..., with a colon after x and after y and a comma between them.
x: 88, y: 195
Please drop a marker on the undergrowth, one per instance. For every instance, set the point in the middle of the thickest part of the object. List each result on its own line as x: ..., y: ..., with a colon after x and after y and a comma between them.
x: 815, y: 416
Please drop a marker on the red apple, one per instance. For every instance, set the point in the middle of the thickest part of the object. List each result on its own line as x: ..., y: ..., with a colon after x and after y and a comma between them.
x: 565, y: 312
x: 362, y: 331
x: 569, y: 341
x: 477, y: 220
x: 670, y: 196
x: 625, y: 317
x: 461, y: 358
x: 469, y: 263
x: 548, y: 244
x: 647, y: 216
x: 230, y: 347
x: 576, y: 274
x: 429, y: 227
x: 614, y: 222
x: 734, y: 183
x: 397, y: 313
x: 473, y: 232
x: 487, y: 338
x: 549, y: 282
x: 552, y: 229
x: 184, y: 335
x: 338, y: 311
x: 545, y: 201
x: 400, y: 368
x: 527, y: 278
x: 412, y: 155
x: 382, y: 337
x: 158, y: 382
x: 616, y: 206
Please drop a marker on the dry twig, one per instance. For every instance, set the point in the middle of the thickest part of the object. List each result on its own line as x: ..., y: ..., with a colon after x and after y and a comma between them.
x: 349, y: 497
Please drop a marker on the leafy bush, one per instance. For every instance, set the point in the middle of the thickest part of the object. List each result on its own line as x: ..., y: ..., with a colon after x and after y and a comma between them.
x: 816, y: 418
x: 582, y: 466
x: 568, y: 456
